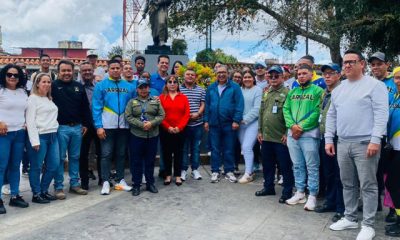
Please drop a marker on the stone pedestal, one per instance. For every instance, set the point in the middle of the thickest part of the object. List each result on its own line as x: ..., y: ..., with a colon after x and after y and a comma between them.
x: 151, y: 49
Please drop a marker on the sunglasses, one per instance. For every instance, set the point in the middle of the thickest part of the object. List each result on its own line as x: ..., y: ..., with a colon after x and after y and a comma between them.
x: 10, y: 75
x: 272, y: 76
x: 172, y: 82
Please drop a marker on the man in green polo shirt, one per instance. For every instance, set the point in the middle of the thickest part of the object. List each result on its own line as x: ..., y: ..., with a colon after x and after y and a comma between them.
x: 272, y: 136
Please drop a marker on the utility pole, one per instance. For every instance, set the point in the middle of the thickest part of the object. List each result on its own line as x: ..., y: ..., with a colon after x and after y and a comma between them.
x: 307, y: 12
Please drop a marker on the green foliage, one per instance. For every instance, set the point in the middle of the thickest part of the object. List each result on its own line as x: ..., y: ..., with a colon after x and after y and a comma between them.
x: 116, y: 50
x: 208, y: 55
x: 179, y: 47
x: 365, y: 24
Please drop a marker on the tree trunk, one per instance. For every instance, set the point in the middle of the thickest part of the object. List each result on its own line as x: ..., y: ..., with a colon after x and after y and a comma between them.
x: 334, y: 49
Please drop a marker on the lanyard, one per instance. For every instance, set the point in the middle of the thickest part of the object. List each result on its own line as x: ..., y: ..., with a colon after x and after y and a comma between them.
x: 143, y: 105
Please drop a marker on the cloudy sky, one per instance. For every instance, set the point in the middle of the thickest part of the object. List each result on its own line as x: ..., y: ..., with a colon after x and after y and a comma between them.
x: 98, y: 24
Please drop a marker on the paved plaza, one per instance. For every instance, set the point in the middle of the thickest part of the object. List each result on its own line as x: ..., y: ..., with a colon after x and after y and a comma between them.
x: 196, y: 210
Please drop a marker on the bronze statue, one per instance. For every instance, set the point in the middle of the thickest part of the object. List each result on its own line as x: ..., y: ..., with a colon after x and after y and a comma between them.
x: 158, y: 13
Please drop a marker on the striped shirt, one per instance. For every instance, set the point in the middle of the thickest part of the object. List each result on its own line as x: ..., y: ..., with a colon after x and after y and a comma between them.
x: 196, y: 96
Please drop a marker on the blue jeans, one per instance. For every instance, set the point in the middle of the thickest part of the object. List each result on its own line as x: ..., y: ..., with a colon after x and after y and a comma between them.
x: 11, y: 153
x: 70, y: 139
x: 222, y: 141
x: 272, y: 154
x: 305, y: 157
x: 193, y: 136
x: 142, y: 157
x: 334, y: 187
x: 116, y: 141
x: 49, y: 154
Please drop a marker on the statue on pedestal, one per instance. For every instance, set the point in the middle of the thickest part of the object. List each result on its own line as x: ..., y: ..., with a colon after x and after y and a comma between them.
x: 158, y: 14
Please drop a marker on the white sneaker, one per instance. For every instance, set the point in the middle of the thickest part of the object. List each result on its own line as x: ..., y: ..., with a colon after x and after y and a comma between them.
x: 214, y: 177
x: 144, y: 179
x: 280, y: 182
x: 183, y: 175
x: 311, y: 203
x: 343, y: 224
x: 231, y: 177
x: 5, y: 190
x: 105, y: 190
x: 196, y: 175
x: 366, y: 233
x: 246, y: 178
x: 122, y: 186
x: 298, y: 197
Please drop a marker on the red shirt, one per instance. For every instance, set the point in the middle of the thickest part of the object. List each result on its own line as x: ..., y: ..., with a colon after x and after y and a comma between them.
x: 177, y: 111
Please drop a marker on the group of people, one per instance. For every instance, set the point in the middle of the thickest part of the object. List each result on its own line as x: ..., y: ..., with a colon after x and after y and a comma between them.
x: 336, y: 134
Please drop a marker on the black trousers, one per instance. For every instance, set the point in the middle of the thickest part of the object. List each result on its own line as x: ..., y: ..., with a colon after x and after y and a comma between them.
x: 91, y: 135
x: 393, y: 178
x: 172, y: 144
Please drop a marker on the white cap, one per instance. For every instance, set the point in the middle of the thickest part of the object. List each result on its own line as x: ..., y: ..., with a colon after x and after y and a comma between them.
x: 92, y: 52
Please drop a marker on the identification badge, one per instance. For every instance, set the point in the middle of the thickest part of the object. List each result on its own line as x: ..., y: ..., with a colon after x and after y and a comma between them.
x: 274, y: 109
x: 320, y: 118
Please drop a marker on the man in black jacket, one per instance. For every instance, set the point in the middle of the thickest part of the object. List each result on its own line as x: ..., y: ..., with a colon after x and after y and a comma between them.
x: 73, y: 117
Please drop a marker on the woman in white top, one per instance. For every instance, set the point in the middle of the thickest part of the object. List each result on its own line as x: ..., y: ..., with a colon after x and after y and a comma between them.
x: 13, y: 103
x: 249, y: 126
x: 41, y: 121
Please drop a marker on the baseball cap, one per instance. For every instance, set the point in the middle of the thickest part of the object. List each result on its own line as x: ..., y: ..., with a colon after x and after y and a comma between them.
x: 276, y: 68
x: 286, y: 68
x: 378, y: 55
x: 259, y: 64
x: 142, y: 82
x: 333, y: 66
x: 92, y: 53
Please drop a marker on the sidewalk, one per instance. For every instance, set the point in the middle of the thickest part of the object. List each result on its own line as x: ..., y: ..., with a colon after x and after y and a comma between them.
x: 195, y: 210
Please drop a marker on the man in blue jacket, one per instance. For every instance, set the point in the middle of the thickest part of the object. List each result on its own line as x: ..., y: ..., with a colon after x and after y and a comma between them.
x: 110, y: 98
x: 222, y: 116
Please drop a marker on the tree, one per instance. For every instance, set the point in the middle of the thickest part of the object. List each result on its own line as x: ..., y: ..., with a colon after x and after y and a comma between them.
x: 208, y: 55
x: 361, y: 24
x: 179, y: 47
x: 116, y: 50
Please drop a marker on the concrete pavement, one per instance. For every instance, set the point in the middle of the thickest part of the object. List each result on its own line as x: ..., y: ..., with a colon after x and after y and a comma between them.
x: 195, y: 210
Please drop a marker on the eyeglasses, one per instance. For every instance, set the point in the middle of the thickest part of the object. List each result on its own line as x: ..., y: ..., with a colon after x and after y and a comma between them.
x: 350, y: 62
x: 172, y: 82
x: 329, y: 74
x: 10, y: 75
x: 273, y: 76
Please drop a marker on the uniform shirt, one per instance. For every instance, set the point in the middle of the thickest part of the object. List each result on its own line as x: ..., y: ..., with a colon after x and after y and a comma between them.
x: 326, y: 102
x: 271, y: 124
x: 157, y: 82
x: 139, y: 110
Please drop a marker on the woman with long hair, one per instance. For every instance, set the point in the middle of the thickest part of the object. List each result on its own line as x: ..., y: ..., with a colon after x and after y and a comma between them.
x: 13, y: 103
x: 249, y: 126
x: 175, y: 67
x: 177, y: 113
x: 41, y: 121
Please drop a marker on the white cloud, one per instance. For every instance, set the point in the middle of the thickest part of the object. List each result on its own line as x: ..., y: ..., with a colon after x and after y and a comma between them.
x: 42, y: 23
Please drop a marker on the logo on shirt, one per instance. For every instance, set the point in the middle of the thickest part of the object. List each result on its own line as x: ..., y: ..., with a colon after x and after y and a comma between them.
x: 76, y: 89
x: 303, y: 97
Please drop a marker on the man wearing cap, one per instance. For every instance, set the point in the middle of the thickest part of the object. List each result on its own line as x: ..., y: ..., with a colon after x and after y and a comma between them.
x: 144, y: 115
x: 98, y: 71
x: 358, y: 115
x: 316, y: 79
x: 301, y: 112
x: 330, y: 167
x: 272, y: 136
x: 379, y: 66
x: 260, y: 70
